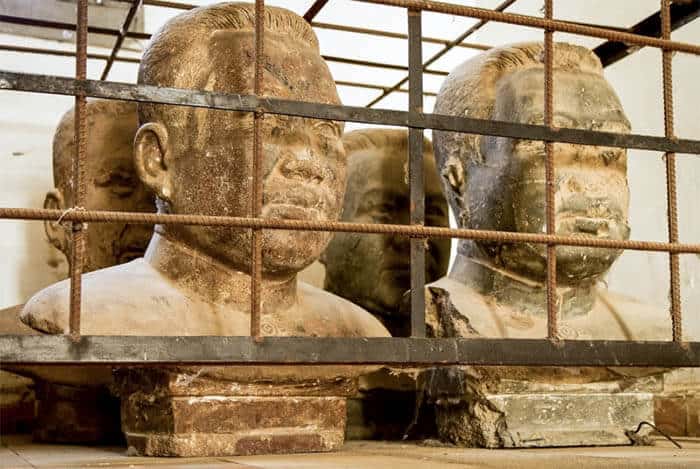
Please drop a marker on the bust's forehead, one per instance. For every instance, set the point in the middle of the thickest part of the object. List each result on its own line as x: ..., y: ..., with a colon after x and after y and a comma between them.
x: 578, y: 96
x: 292, y: 68
x: 386, y: 168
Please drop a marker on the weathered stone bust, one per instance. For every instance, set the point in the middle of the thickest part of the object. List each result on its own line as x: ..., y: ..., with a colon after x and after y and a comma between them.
x: 373, y: 270
x: 111, y: 181
x: 82, y: 414
x: 497, y: 289
x: 497, y: 183
x: 195, y: 280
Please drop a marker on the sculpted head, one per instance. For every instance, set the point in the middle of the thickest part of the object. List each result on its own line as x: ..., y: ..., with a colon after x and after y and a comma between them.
x: 373, y: 270
x: 497, y: 183
x: 111, y: 181
x: 199, y: 160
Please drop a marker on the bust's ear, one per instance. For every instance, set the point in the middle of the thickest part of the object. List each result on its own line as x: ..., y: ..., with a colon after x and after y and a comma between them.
x: 152, y: 157
x: 55, y: 233
x: 453, y: 174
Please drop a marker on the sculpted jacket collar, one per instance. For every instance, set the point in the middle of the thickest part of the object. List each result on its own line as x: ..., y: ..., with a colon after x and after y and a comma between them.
x: 511, y: 289
x: 196, y: 273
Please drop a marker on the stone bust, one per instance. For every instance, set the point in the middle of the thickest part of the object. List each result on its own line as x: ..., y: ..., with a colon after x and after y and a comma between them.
x: 112, y: 184
x: 373, y: 270
x: 495, y: 183
x: 195, y: 280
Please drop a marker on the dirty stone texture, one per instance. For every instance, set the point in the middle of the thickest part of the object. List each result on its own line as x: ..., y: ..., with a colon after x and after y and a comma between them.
x: 17, y: 399
x: 180, y: 413
x: 498, y: 289
x: 677, y: 408
x: 70, y: 414
x: 373, y: 270
x: 111, y: 184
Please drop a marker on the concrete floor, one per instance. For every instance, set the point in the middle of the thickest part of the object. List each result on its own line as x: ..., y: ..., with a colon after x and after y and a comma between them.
x: 20, y: 452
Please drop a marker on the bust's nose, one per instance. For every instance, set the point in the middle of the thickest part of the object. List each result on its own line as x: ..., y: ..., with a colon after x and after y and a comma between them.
x: 301, y: 164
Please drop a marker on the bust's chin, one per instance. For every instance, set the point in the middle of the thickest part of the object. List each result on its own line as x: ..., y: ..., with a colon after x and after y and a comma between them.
x: 291, y: 251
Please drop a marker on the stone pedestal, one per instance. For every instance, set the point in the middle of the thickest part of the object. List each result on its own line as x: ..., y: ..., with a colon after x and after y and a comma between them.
x: 76, y: 414
x: 186, y: 413
x: 677, y: 408
x: 482, y: 409
x: 16, y: 403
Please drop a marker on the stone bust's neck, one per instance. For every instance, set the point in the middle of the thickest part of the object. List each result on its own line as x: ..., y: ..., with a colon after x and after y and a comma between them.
x: 520, y: 293
x: 195, y: 272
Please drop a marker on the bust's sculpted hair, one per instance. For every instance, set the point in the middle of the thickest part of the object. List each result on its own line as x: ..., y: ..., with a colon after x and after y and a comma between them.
x: 176, y: 58
x: 64, y: 137
x: 470, y: 90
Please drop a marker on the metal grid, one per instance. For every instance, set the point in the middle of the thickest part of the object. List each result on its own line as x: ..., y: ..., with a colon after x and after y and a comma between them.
x: 416, y: 350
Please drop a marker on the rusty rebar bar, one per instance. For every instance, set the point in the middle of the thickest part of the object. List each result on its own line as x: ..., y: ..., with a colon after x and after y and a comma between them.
x: 369, y: 86
x: 78, y: 232
x: 62, y: 53
x: 257, y: 183
x: 68, y: 53
x: 100, y: 216
x: 541, y: 23
x: 393, y: 35
x: 671, y: 190
x: 130, y: 15
x: 550, y: 190
x: 440, y: 53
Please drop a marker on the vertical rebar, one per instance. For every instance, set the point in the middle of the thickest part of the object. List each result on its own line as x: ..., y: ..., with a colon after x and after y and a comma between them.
x: 415, y: 172
x: 670, y: 157
x: 78, y: 234
x: 257, y: 185
x: 552, y: 303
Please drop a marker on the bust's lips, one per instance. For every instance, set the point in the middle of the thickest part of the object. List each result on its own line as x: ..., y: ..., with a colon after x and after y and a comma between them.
x: 598, y: 227
x: 297, y: 202
x: 290, y: 212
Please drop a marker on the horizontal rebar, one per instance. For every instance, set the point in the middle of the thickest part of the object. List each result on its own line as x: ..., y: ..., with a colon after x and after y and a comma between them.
x: 541, y: 23
x: 67, y: 53
x: 96, y: 216
x: 246, y: 103
x: 145, y: 36
x: 62, y: 53
x: 377, y: 87
x: 393, y: 35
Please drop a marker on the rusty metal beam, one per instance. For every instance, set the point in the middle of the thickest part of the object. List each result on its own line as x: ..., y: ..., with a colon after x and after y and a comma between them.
x: 130, y: 15
x: 682, y: 13
x: 235, y: 102
x: 314, y: 10
x: 49, y: 350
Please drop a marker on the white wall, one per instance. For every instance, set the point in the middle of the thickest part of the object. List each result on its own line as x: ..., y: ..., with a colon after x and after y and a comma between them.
x: 27, y: 121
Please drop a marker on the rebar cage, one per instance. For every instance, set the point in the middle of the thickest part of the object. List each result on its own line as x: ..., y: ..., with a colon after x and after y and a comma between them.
x: 416, y: 350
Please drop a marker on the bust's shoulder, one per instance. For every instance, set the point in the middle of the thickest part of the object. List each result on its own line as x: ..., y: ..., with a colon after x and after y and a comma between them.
x: 111, y: 299
x: 459, y: 310
x: 327, y: 314
x: 634, y: 319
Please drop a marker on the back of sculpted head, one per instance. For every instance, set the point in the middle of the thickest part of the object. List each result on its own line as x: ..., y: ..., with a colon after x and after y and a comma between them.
x: 111, y: 183
x: 200, y: 160
x: 498, y: 183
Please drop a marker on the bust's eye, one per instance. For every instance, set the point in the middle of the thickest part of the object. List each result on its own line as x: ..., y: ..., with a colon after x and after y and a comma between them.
x: 328, y: 129
x: 121, y: 183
